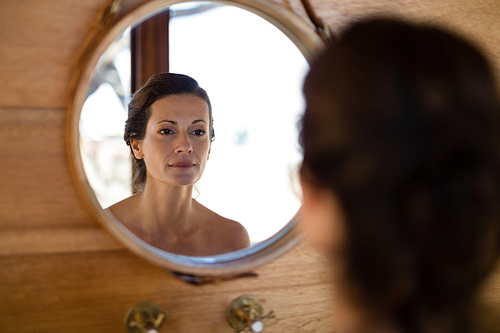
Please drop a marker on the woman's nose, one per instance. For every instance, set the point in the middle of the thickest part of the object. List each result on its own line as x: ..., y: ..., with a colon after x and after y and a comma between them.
x: 183, y: 145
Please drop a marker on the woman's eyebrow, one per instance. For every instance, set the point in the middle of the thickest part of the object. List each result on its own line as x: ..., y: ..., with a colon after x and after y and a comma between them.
x: 167, y: 121
x: 173, y: 122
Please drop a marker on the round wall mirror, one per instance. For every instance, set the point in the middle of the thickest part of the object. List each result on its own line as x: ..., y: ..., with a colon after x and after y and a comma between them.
x: 251, y: 57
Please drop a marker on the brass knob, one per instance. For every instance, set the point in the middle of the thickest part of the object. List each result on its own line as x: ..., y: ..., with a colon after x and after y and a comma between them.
x: 145, y: 317
x: 245, y: 314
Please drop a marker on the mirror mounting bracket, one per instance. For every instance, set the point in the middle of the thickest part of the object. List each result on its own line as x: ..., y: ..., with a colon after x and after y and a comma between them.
x: 322, y: 28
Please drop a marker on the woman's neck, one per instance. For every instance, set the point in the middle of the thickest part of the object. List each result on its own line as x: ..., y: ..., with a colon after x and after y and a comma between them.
x: 162, y: 205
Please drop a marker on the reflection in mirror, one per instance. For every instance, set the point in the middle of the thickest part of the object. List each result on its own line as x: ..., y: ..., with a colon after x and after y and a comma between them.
x: 253, y: 74
x: 169, y: 131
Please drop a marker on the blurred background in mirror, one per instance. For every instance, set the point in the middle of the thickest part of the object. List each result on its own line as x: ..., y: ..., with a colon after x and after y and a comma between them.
x: 253, y: 75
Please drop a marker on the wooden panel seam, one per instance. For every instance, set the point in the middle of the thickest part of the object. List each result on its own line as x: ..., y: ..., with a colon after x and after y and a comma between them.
x: 55, y: 240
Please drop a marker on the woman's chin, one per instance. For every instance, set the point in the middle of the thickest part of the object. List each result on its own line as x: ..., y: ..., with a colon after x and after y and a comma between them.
x: 185, y: 181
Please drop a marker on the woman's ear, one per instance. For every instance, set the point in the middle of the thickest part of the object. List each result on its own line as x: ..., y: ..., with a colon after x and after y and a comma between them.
x: 323, y: 220
x: 136, y: 146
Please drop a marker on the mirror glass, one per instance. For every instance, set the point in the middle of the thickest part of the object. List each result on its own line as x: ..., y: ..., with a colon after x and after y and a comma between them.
x: 253, y: 75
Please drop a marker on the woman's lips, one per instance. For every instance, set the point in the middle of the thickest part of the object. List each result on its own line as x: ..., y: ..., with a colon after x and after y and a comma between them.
x: 182, y: 165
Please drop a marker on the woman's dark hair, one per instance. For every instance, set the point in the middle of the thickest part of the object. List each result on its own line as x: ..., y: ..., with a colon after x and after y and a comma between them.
x: 402, y: 124
x: 139, y: 111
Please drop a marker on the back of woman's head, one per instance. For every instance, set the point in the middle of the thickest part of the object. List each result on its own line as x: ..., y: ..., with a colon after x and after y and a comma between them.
x: 139, y: 111
x: 402, y: 124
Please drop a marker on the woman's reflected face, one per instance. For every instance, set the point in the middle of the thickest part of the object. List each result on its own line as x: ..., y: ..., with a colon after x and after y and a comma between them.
x: 177, y: 141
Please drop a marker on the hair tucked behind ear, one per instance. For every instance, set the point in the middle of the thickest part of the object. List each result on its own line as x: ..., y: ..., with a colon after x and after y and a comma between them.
x: 402, y: 123
x: 139, y: 112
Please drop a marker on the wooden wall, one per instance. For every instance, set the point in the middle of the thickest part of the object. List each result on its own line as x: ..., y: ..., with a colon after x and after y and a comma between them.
x: 60, y: 271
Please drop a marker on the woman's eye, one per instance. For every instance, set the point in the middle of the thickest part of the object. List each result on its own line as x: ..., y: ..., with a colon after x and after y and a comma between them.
x: 198, y: 132
x: 165, y: 131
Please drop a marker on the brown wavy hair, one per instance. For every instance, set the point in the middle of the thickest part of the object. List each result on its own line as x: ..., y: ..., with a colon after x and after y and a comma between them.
x: 139, y: 111
x: 402, y: 124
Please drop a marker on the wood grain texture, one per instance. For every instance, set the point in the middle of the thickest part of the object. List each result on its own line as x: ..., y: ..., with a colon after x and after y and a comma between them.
x: 91, y: 292
x: 478, y: 20
x: 36, y: 187
x: 38, y: 42
x: 56, y: 240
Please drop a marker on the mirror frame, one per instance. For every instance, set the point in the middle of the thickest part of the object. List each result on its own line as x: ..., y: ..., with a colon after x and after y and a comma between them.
x: 291, y: 25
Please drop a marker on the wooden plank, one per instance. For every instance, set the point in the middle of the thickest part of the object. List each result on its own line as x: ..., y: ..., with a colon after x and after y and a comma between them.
x: 56, y: 240
x: 91, y: 292
x: 478, y: 21
x: 36, y: 187
x: 40, y: 39
x: 38, y: 42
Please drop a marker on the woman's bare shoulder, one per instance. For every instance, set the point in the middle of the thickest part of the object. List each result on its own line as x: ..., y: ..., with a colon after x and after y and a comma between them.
x: 238, y: 231
x: 231, y: 231
x: 233, y: 234
x: 124, y: 210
